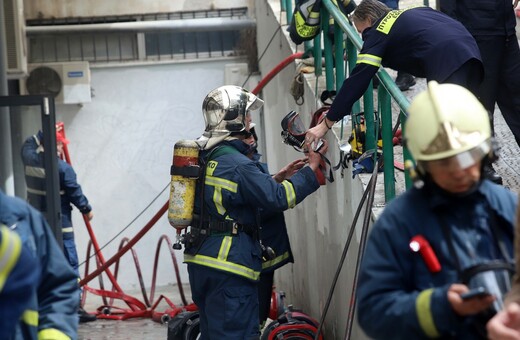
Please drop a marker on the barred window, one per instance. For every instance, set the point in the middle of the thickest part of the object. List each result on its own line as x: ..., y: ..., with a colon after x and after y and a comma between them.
x: 134, y: 46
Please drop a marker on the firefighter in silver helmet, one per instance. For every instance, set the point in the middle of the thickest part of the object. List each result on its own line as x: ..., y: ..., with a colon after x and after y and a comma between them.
x: 223, y: 251
x: 449, y: 234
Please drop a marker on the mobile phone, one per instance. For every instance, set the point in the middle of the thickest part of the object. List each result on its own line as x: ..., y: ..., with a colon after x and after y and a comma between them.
x: 479, y: 292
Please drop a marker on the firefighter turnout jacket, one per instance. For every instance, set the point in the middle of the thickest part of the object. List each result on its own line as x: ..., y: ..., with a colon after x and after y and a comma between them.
x: 398, y: 297
x: 70, y: 190
x: 235, y: 188
x: 19, y: 274
x: 420, y: 40
x: 52, y: 310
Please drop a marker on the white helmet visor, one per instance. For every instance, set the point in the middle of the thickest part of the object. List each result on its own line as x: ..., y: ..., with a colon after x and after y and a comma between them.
x: 464, y: 159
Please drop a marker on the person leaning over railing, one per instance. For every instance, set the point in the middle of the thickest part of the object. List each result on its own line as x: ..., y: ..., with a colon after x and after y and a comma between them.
x: 419, y: 40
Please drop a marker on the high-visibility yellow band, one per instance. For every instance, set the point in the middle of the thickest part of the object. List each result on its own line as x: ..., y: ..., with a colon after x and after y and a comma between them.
x: 289, y: 193
x: 10, y: 249
x: 30, y: 317
x: 424, y: 313
x: 369, y: 59
x: 52, y: 334
x: 230, y: 267
x: 275, y: 261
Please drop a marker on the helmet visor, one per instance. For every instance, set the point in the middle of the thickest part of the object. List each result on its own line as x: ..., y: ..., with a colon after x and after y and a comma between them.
x: 464, y: 159
x: 253, y: 102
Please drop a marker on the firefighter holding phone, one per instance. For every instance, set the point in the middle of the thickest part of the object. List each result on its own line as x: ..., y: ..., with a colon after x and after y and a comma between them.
x: 439, y: 259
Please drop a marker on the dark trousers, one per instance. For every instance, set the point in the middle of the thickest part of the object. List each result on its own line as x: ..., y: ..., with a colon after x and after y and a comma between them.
x: 469, y: 75
x: 501, y: 85
x: 228, y: 304
x: 265, y: 289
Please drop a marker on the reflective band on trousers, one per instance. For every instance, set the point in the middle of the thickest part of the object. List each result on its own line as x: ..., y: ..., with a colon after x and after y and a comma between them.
x: 10, y: 249
x: 424, y: 313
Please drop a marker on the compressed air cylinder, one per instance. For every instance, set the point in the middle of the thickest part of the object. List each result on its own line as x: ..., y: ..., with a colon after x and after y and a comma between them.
x: 184, y: 174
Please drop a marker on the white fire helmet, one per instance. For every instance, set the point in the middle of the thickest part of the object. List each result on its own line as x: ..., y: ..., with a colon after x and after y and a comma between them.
x: 447, y: 122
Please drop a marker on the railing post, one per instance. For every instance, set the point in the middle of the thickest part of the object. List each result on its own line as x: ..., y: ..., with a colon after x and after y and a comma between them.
x: 352, y: 59
x: 288, y: 8
x: 368, y: 108
x: 406, y: 153
x: 327, y: 48
x: 385, y: 108
x: 317, y: 55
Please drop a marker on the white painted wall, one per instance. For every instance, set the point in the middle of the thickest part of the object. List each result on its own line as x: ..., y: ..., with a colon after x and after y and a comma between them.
x: 91, y: 8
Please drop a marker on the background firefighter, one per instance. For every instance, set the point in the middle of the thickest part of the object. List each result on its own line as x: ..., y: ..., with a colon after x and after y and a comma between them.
x: 223, y: 251
x: 70, y: 194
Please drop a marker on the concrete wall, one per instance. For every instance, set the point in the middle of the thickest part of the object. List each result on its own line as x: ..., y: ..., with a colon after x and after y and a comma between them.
x: 40, y: 9
x: 319, y: 226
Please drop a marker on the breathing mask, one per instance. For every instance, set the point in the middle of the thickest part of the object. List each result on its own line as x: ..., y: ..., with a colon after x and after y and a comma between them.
x: 293, y: 130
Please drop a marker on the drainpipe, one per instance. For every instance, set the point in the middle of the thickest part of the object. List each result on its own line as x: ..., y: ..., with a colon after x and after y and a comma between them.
x: 6, y: 163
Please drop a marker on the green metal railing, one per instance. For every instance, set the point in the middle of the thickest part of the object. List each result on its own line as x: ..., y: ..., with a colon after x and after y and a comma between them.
x: 346, y: 41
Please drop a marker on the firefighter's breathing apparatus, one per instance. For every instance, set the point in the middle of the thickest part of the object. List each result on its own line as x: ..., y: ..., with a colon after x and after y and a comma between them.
x: 184, y: 172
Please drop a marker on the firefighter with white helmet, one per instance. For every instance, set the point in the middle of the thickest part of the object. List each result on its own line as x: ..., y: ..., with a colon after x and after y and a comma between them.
x: 223, y: 251
x: 438, y: 240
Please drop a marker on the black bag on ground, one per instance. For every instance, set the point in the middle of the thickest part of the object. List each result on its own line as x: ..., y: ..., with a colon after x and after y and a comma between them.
x: 184, y: 326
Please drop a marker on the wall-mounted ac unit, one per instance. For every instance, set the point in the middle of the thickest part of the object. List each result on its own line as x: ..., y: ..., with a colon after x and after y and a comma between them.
x: 68, y: 82
x: 14, y: 27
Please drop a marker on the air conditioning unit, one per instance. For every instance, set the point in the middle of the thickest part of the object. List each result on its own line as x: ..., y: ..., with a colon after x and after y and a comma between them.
x: 68, y: 82
x: 14, y: 28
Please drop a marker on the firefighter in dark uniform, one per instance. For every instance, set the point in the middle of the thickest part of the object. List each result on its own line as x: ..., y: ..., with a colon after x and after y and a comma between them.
x: 419, y: 41
x: 70, y: 194
x: 223, y: 251
x: 492, y: 23
x: 52, y: 310
x: 19, y: 274
x: 451, y: 232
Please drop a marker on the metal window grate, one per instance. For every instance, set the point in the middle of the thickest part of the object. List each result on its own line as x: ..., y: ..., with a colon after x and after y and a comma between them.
x: 103, y: 47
